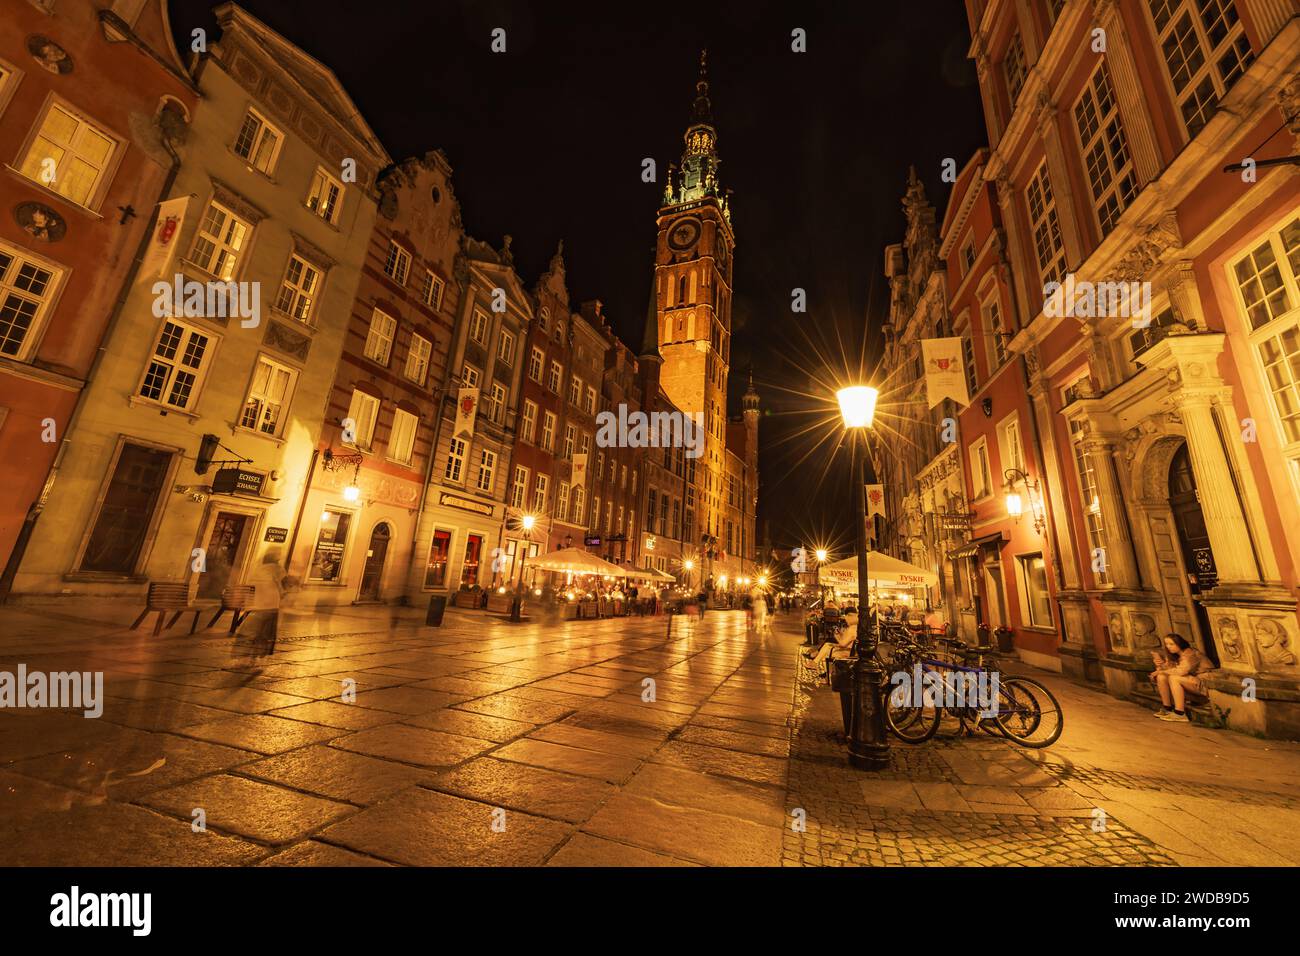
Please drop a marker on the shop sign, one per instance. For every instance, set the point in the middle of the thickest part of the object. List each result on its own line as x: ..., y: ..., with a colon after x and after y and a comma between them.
x: 237, y: 481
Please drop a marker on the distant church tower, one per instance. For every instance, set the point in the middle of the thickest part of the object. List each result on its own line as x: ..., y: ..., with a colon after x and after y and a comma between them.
x: 693, y: 298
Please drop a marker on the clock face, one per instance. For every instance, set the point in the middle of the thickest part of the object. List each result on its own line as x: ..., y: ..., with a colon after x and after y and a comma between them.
x: 684, y: 234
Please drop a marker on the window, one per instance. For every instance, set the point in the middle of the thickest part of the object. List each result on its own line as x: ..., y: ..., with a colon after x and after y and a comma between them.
x: 1105, y: 151
x: 1267, y: 280
x: 401, y: 440
x: 993, y: 327
x: 1140, y: 340
x: 456, y: 449
x: 499, y: 400
x: 540, y: 487
x: 27, y: 288
x: 599, y: 471
x: 981, y: 480
x: 487, y: 467
x: 397, y: 264
x: 431, y: 290
x: 417, y: 359
x: 363, y: 411
x: 1205, y: 51
x: 435, y: 572
x: 579, y: 506
x: 1090, y: 499
x: 180, y: 360
x: 595, y: 513
x: 69, y: 155
x: 1049, y: 246
x: 519, y: 487
x: 258, y: 142
x: 650, y: 513
x: 1013, y: 69
x: 548, y: 432
x: 121, y: 527
x: 379, y: 340
x: 469, y: 567
x: 469, y: 376
x: 506, y: 348
x: 562, y: 499
x: 268, y: 396
x: 535, y: 362
x: 968, y: 364
x: 570, y: 435
x: 589, y: 405
x: 219, y: 241
x: 575, y: 390
x: 967, y: 256
x: 331, y: 542
x: 1010, y: 451
x: 298, y: 290
x: 585, y: 444
x: 325, y: 196
x: 1033, y: 577
x: 478, y: 327
x: 553, y: 380
x: 609, y: 516
x: 528, y: 431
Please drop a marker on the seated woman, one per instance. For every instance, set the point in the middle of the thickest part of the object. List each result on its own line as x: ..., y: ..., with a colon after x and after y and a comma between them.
x: 844, y: 639
x: 1178, y: 673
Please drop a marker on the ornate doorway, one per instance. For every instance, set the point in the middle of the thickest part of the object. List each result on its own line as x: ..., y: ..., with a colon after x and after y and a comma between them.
x: 1198, y: 556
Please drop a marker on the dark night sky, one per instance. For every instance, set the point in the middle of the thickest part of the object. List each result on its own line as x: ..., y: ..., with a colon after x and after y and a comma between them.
x: 547, y: 140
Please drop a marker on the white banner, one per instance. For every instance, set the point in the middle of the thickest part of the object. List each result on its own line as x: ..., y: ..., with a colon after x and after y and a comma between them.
x: 875, y: 501
x: 945, y: 375
x: 166, y: 235
x: 466, y: 409
x: 579, y: 476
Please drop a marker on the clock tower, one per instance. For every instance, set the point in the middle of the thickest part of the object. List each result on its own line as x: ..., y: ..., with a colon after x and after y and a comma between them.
x: 693, y: 269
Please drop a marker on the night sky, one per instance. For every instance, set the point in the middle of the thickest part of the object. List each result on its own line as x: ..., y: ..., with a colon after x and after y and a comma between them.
x: 547, y: 141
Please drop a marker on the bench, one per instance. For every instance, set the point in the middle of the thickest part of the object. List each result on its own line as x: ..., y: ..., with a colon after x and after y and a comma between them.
x: 165, y: 597
x: 236, y: 600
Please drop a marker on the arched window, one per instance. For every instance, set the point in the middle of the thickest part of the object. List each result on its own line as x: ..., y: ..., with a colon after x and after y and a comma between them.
x: 681, y: 289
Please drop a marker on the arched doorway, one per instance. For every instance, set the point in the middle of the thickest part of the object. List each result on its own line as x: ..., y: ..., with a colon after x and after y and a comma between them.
x: 372, y: 575
x: 1198, y: 556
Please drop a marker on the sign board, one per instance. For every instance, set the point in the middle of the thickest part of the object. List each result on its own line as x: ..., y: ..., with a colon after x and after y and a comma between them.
x: 237, y: 481
x: 466, y: 504
x: 592, y: 541
x: 276, y: 534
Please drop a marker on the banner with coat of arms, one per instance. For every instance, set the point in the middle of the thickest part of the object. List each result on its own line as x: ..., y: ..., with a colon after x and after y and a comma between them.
x: 466, y: 409
x: 875, y: 501
x: 945, y: 375
x: 166, y: 235
x: 579, y: 475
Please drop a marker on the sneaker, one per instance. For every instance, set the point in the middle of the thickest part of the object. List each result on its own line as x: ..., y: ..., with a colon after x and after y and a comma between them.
x: 1162, y: 713
x: 1175, y: 718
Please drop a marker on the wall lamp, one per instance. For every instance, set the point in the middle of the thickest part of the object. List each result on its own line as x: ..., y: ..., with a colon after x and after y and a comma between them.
x: 1016, y: 504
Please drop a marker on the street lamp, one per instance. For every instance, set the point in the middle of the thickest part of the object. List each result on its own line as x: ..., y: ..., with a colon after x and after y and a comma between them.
x: 868, y: 745
x: 822, y: 555
x: 1016, y: 505
x: 526, y: 523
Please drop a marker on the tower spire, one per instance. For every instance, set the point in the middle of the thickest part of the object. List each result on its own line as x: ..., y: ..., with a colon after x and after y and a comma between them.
x: 702, y: 111
x: 650, y: 335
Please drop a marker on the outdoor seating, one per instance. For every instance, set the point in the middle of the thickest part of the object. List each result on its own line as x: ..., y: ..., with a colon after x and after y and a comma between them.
x: 164, y: 598
x: 235, y: 599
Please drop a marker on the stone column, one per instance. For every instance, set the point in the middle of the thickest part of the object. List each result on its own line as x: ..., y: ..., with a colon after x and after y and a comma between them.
x: 1216, y: 488
x: 1185, y: 297
x: 1058, y: 172
x: 1268, y: 16
x: 1027, y: 308
x: 1055, y: 500
x: 1120, y: 563
x: 1135, y: 112
x: 983, y: 70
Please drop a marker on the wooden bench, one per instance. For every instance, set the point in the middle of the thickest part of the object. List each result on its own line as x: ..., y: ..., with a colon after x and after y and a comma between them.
x: 164, y: 597
x: 236, y: 600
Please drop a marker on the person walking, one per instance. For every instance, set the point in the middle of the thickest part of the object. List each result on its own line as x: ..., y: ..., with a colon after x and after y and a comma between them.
x: 702, y: 603
x: 759, y: 601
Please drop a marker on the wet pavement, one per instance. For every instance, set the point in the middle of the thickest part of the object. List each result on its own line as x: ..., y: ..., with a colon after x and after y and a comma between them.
x: 368, y: 739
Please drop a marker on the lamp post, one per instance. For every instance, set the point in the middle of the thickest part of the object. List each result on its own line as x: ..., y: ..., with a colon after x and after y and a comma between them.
x: 527, y: 523
x: 868, y: 745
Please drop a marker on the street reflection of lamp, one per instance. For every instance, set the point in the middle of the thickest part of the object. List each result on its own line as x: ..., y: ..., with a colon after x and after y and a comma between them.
x: 1016, y: 504
x: 868, y: 745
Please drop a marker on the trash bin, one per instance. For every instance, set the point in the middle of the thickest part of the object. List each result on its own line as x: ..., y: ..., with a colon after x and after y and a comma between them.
x: 437, y: 606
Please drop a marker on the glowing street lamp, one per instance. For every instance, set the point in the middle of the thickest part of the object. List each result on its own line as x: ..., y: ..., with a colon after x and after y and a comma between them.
x: 822, y: 555
x: 526, y: 523
x: 857, y: 405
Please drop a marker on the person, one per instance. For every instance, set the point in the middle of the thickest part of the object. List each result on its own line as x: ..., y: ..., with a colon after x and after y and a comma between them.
x: 1178, y: 672
x: 257, y: 635
x: 760, y: 611
x: 702, y: 603
x: 935, y: 623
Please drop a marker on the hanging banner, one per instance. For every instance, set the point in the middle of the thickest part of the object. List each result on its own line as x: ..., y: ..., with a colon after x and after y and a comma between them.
x: 875, y: 501
x: 945, y: 375
x: 166, y: 234
x: 466, y: 409
x: 579, y: 470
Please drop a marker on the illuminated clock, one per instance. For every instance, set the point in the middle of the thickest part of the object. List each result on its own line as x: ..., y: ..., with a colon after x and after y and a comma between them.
x: 684, y: 234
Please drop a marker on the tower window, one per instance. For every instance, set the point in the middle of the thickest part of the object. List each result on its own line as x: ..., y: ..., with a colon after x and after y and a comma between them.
x: 681, y: 290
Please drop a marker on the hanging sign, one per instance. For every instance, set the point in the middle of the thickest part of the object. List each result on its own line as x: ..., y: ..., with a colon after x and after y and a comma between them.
x: 875, y: 501
x: 166, y: 234
x: 579, y: 470
x: 466, y: 409
x: 945, y: 375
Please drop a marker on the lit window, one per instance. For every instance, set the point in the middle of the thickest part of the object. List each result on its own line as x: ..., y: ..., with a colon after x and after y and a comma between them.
x: 258, y: 142
x: 417, y: 359
x: 506, y: 348
x: 570, y: 434
x: 535, y: 362
x: 486, y: 469
x: 325, y: 196
x: 981, y: 480
x: 363, y: 412
x: 562, y: 499
x: 478, y: 327
x: 431, y: 290
x: 1105, y: 150
x: 379, y: 340
x: 1091, y: 502
x: 176, y: 369
x: 553, y: 380
x: 268, y: 396
x: 1205, y: 52
x: 499, y: 400
x: 401, y: 441
x: 69, y: 155
x: 219, y: 242
x: 575, y: 390
x: 469, y: 376
x: 298, y: 290
x: 397, y: 264
x: 456, y: 449
x: 1038, y: 602
x: 26, y: 289
x: 579, y: 506
x: 548, y: 432
x: 331, y: 542
x: 1049, y: 246
x: 540, y: 488
x: 519, y: 487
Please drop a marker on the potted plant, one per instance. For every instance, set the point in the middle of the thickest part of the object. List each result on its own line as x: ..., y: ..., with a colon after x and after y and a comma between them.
x: 982, y: 632
x: 1006, y: 639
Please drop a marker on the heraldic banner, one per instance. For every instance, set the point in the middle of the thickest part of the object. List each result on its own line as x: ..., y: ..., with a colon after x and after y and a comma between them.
x: 166, y: 234
x: 466, y: 409
x: 945, y: 376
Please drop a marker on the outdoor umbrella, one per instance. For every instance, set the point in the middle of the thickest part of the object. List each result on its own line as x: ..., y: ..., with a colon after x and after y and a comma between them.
x: 577, y: 561
x: 882, y: 570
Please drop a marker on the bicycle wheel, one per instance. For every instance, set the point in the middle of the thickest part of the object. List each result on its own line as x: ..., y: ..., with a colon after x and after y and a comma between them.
x: 1028, y: 714
x: 912, y: 722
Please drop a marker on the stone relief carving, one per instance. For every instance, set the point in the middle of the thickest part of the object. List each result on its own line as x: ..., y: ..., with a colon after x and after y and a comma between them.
x: 1230, y: 639
x: 1273, y: 643
x: 1288, y: 98
x: 279, y: 336
x: 1149, y: 251
x: 1117, y: 636
x: 1144, y: 631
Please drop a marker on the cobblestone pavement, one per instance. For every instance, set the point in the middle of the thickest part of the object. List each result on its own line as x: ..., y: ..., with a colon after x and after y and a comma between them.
x: 486, y: 743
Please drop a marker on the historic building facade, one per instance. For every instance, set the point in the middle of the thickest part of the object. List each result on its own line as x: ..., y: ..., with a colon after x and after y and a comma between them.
x: 375, y: 453
x: 94, y: 106
x: 191, y: 458
x: 1171, y: 417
